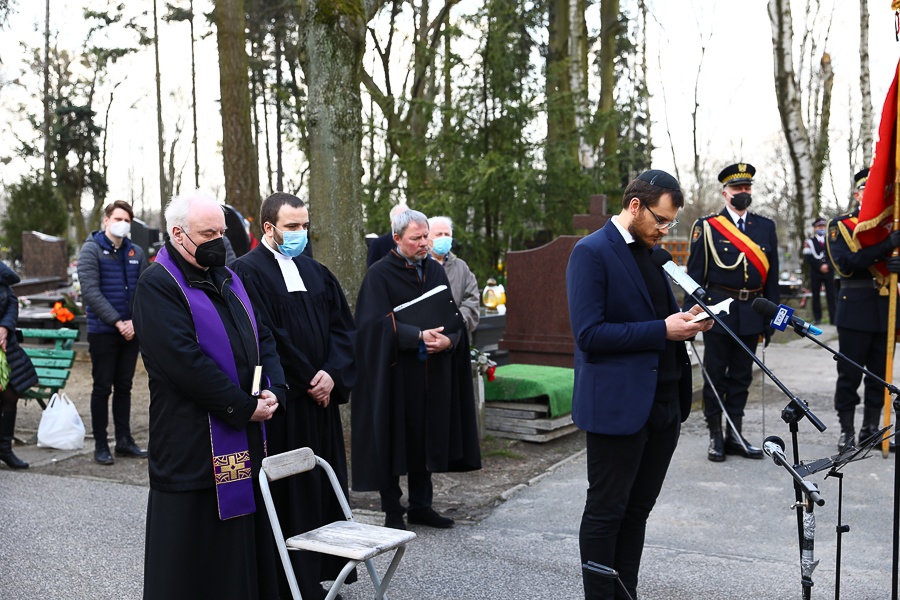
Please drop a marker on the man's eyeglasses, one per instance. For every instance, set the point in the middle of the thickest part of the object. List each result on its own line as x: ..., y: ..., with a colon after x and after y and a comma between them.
x: 660, y: 224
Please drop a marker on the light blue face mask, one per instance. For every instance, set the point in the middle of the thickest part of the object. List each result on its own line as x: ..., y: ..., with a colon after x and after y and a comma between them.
x: 294, y: 242
x: 442, y: 245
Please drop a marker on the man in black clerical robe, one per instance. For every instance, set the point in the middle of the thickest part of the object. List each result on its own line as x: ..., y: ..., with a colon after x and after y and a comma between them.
x: 413, y: 410
x: 301, y: 301
x: 207, y: 531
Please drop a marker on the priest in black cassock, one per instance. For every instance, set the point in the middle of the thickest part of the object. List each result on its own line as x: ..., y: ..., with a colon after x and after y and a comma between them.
x: 207, y: 531
x: 413, y: 409
x: 301, y: 301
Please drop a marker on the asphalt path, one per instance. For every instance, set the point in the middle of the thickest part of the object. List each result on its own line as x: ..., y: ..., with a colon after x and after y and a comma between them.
x: 718, y: 531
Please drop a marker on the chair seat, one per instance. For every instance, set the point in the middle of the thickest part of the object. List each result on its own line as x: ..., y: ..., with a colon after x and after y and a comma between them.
x: 351, y: 540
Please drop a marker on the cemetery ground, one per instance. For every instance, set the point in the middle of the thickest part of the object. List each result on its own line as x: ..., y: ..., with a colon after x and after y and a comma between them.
x: 463, y: 496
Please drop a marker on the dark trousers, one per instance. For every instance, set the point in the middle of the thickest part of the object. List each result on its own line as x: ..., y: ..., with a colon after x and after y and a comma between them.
x: 113, y: 360
x: 625, y: 476
x: 731, y: 370
x: 868, y: 349
x: 421, y: 493
x: 816, y: 281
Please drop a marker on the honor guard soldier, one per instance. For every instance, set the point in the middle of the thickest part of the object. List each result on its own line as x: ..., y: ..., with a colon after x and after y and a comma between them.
x: 820, y: 273
x: 734, y: 254
x: 861, y: 319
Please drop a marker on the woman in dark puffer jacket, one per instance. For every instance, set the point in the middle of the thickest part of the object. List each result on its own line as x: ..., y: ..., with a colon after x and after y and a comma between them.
x: 21, y: 372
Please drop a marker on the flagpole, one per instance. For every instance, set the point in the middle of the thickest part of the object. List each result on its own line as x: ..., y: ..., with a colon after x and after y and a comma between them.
x: 892, y: 298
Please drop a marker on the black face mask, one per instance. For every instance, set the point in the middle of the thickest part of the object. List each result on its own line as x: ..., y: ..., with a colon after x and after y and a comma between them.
x: 741, y: 201
x: 211, y: 253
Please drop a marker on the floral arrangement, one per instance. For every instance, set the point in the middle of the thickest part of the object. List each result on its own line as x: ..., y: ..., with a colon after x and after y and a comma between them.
x: 72, y: 302
x: 24, y: 302
x: 62, y: 314
x: 483, y: 363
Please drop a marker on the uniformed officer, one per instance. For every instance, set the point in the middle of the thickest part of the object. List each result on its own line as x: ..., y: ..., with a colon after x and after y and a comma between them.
x: 861, y: 319
x: 734, y: 255
x: 820, y: 273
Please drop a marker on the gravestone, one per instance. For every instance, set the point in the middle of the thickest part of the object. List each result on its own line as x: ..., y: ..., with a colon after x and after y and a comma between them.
x: 44, y: 257
x: 140, y: 235
x: 538, y: 331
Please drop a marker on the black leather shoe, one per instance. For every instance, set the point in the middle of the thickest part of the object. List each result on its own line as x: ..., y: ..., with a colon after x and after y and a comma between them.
x: 846, y: 440
x: 429, y: 518
x: 394, y: 521
x: 102, y: 456
x: 12, y: 461
x: 716, y: 451
x: 734, y: 447
x: 129, y: 448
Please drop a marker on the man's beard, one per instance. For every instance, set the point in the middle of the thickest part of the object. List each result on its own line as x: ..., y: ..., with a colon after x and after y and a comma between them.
x: 648, y: 241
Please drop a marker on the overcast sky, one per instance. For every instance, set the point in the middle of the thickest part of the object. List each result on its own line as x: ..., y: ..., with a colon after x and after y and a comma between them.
x: 738, y: 116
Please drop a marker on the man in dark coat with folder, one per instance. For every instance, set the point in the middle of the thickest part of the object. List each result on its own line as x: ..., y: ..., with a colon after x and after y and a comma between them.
x: 413, y: 410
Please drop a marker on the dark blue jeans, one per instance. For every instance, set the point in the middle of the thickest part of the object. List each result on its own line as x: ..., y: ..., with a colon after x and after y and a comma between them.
x: 113, y: 360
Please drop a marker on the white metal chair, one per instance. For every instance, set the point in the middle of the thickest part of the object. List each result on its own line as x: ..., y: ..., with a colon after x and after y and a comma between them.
x: 357, y: 542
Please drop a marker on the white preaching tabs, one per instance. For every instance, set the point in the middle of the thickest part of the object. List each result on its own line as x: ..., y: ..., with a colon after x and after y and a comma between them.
x: 289, y: 270
x: 722, y: 307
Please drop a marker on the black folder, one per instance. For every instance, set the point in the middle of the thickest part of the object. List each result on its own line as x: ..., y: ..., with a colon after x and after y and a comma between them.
x: 434, y: 308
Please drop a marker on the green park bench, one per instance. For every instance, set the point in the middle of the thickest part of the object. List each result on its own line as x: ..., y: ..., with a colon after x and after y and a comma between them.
x: 53, y: 365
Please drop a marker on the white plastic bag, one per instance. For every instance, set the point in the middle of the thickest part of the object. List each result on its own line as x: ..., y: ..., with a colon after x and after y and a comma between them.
x: 61, y: 426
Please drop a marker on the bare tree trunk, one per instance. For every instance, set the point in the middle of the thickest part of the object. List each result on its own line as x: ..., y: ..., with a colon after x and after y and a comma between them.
x: 642, y: 7
x: 790, y: 108
x: 866, y: 126
x: 194, y: 102
x: 279, y: 81
x: 332, y: 45
x: 48, y: 166
x: 238, y: 154
x: 560, y: 105
x: 609, y: 34
x: 163, y: 200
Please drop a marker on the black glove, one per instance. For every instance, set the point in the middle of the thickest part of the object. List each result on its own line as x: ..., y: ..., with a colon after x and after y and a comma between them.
x: 767, y: 336
x: 893, y: 263
x: 892, y: 241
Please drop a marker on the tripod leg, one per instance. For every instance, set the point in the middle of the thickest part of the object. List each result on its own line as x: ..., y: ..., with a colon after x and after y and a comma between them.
x: 734, y: 429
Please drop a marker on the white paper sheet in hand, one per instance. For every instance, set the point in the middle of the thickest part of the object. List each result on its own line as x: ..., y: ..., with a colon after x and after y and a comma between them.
x: 722, y: 307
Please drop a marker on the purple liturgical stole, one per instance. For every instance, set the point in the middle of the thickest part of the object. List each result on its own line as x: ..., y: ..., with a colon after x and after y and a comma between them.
x: 230, y: 449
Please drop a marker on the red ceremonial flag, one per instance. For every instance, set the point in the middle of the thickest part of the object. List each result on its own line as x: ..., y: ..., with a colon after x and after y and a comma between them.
x: 876, y: 214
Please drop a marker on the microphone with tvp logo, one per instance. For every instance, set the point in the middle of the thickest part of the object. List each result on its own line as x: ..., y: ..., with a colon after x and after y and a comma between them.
x: 782, y: 315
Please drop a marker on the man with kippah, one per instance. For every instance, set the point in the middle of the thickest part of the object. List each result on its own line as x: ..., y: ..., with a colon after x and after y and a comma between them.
x: 632, y: 375
x: 861, y: 318
x: 820, y: 273
x: 734, y: 254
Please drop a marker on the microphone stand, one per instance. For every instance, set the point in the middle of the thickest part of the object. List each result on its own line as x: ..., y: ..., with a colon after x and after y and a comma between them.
x: 795, y: 410
x: 835, y: 464
x: 838, y: 356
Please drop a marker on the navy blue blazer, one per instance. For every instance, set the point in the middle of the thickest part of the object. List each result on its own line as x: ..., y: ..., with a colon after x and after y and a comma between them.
x: 618, y: 338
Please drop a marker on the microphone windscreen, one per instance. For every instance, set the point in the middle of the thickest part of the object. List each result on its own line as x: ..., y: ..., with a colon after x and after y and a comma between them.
x: 659, y: 257
x: 765, y: 307
x: 774, y: 439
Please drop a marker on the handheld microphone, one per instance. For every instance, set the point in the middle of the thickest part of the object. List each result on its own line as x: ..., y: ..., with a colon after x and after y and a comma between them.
x: 661, y: 258
x: 781, y: 315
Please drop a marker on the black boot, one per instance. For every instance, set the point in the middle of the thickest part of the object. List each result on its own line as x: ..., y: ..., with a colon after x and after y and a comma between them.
x: 716, y: 452
x: 733, y: 445
x: 7, y: 428
x: 871, y: 422
x: 847, y: 430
